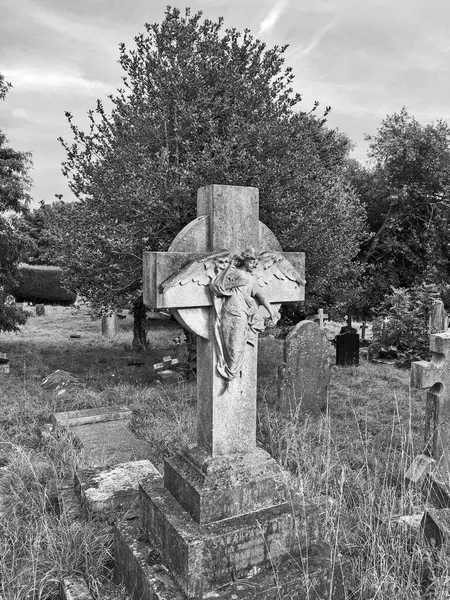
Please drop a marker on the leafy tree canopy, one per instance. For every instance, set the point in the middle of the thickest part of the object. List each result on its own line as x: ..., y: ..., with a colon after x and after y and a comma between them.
x: 14, y: 186
x: 201, y: 105
x: 406, y: 192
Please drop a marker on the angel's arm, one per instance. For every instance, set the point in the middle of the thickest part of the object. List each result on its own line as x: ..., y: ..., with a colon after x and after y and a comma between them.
x: 263, y: 300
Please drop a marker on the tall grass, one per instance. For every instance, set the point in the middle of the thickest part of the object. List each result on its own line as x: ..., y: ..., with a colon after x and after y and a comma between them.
x: 350, y: 461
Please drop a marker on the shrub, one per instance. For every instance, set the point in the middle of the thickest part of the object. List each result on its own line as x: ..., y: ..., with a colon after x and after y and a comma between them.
x: 403, y: 322
x: 41, y: 283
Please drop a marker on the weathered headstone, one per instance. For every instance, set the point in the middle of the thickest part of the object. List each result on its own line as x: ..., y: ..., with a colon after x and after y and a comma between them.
x: 40, y: 310
x: 347, y: 349
x: 110, y: 325
x: 224, y: 510
x: 438, y: 320
x: 307, y: 371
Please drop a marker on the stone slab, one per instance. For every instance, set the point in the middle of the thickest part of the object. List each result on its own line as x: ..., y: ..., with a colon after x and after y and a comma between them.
x: 105, y: 492
x: 90, y: 415
x: 211, y: 489
x: 137, y: 566
x: 75, y: 587
x: 109, y: 443
x: 203, y: 557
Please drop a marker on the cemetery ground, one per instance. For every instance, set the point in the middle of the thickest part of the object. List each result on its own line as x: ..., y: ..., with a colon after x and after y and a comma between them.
x: 350, y: 461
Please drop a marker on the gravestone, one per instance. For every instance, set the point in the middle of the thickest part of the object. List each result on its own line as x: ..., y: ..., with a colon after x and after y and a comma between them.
x: 306, y: 371
x: 438, y: 320
x: 321, y: 316
x: 223, y: 511
x: 40, y: 310
x: 347, y: 349
x: 4, y: 363
x: 110, y: 325
x: 435, y: 376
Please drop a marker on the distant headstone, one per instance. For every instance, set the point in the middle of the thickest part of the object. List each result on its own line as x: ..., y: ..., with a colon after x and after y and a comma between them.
x: 40, y: 310
x: 4, y: 363
x: 347, y: 349
x: 110, y: 325
x: 305, y: 374
x: 438, y: 320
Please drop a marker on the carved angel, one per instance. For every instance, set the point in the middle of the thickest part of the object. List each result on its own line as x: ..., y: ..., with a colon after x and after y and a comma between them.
x: 236, y: 284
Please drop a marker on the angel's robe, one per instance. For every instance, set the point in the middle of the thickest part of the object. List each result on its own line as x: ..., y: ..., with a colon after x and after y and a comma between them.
x: 237, y: 320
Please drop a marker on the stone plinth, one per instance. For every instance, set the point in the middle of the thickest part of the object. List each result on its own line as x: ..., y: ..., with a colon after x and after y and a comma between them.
x: 211, y: 489
x: 310, y: 576
x: 203, y: 557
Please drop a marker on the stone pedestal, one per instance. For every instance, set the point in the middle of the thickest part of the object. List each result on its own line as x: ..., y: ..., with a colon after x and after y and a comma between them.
x: 279, y: 543
x: 212, y: 489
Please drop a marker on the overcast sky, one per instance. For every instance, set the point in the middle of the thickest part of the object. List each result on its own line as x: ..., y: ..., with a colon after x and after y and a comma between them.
x: 364, y: 58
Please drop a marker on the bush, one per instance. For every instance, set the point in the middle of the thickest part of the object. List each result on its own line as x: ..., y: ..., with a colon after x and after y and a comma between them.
x: 403, y: 323
x: 39, y: 283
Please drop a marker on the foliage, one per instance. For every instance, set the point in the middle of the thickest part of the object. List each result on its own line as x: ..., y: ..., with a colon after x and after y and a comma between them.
x: 37, y: 225
x: 406, y: 193
x: 41, y: 283
x: 14, y: 185
x: 201, y: 105
x: 403, y: 322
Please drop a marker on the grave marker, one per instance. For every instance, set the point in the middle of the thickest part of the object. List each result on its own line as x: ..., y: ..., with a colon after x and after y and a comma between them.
x: 224, y: 501
x: 110, y: 325
x: 347, y: 349
x: 438, y: 320
x: 320, y: 317
x: 436, y: 376
x: 306, y: 371
x: 4, y: 363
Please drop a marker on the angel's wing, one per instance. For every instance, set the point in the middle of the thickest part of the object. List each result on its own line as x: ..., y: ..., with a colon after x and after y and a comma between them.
x: 200, y: 271
x: 274, y: 264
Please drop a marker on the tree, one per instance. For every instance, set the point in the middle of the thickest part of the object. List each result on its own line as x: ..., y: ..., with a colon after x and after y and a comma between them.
x: 406, y: 192
x: 201, y: 105
x: 37, y: 225
x: 14, y: 186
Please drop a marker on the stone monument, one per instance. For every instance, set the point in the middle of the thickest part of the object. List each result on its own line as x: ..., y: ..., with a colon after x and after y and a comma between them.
x: 435, y: 376
x: 305, y: 370
x: 224, y: 511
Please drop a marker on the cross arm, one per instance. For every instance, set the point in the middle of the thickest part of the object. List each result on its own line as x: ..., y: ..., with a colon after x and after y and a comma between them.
x: 159, y: 266
x: 424, y: 374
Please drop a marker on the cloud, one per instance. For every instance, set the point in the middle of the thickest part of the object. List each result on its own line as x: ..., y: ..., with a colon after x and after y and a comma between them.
x: 272, y: 17
x: 27, y: 79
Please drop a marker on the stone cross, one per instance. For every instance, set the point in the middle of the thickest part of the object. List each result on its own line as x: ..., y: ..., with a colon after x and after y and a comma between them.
x: 228, y: 218
x: 321, y: 317
x: 435, y: 375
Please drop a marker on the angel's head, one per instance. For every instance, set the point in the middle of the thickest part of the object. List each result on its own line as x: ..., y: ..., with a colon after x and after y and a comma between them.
x: 221, y: 263
x: 248, y: 259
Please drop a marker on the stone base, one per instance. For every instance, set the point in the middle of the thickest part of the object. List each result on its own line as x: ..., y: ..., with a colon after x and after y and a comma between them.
x: 204, y: 557
x: 105, y: 492
x: 211, y: 489
x: 313, y: 577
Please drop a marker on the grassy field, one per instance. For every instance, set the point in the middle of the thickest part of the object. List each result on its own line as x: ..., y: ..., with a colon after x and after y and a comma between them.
x: 351, y: 461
